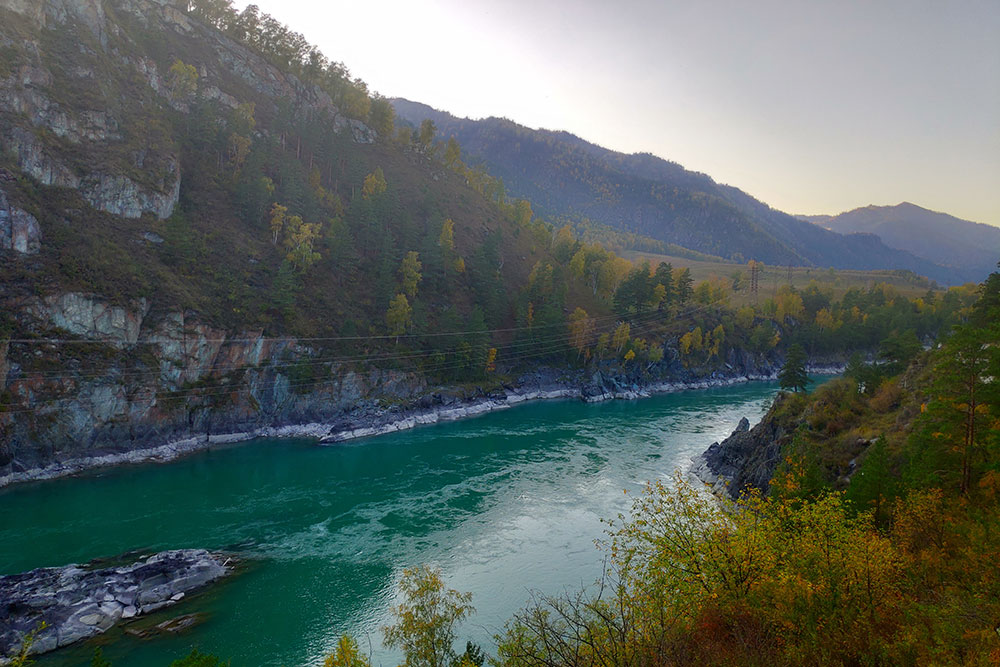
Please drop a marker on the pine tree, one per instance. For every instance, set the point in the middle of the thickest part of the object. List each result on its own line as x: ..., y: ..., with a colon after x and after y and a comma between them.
x: 793, y: 374
x: 684, y: 287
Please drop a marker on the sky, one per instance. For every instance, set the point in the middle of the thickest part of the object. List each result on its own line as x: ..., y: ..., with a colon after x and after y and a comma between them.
x: 812, y: 106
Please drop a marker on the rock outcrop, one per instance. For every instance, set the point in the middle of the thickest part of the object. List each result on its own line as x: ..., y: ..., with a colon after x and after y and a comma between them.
x: 113, y: 193
x: 80, y: 601
x: 19, y: 230
x: 99, y: 147
x: 172, y: 384
x: 745, y: 460
x: 92, y: 317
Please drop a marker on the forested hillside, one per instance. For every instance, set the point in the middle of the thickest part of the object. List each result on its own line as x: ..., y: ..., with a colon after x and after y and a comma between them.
x: 209, y: 228
x: 564, y: 175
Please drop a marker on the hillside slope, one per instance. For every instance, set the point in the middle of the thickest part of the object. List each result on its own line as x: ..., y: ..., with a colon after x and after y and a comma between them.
x: 564, y: 175
x: 938, y: 237
x: 150, y: 288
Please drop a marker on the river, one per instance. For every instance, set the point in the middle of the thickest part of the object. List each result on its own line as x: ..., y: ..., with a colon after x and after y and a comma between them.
x: 504, y: 504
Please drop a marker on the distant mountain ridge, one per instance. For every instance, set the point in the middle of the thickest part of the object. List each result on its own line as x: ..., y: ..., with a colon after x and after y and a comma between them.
x: 938, y: 237
x: 564, y: 175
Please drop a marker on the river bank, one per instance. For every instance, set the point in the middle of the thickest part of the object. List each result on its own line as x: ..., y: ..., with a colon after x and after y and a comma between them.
x: 371, y: 419
x: 508, y: 502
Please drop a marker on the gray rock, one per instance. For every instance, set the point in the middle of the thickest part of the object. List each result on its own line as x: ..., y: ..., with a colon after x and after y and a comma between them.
x: 745, y: 460
x: 74, y: 603
x: 19, y: 230
x: 92, y: 317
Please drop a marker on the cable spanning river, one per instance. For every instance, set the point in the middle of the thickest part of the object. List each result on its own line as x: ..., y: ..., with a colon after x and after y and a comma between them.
x: 505, y: 503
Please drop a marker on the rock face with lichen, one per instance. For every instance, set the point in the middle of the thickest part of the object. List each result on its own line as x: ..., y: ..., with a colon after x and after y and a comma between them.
x: 80, y: 601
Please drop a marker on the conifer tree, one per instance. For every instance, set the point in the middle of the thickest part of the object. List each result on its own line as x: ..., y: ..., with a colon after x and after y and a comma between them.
x: 793, y: 374
x: 684, y: 286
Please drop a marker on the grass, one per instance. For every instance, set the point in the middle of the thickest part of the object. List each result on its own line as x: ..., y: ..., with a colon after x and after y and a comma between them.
x: 773, y: 277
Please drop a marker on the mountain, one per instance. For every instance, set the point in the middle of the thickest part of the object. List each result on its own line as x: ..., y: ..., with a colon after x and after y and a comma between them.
x: 218, y: 229
x: 938, y: 237
x: 564, y: 175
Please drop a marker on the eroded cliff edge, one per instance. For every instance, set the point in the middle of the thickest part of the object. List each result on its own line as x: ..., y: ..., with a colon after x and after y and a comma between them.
x: 100, y: 384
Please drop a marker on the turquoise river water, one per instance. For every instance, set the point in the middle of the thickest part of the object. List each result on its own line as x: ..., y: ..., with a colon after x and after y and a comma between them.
x: 504, y: 504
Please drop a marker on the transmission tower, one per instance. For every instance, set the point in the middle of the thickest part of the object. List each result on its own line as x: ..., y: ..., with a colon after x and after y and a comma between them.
x: 754, y: 278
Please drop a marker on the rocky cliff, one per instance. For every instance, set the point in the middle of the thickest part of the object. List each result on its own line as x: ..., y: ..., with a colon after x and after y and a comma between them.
x: 83, y: 106
x: 746, y: 459
x: 125, y: 383
x: 91, y: 126
x: 124, y: 380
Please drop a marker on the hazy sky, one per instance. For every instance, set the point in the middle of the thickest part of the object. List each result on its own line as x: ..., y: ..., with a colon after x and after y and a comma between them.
x: 812, y: 106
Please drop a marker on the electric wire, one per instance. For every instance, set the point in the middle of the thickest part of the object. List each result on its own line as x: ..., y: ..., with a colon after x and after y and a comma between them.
x: 530, y: 349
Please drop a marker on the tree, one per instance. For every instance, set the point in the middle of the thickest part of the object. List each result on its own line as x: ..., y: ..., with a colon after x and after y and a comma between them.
x: 793, y: 374
x: 897, y: 350
x: 381, y: 117
x: 691, y: 342
x: 346, y: 654
x: 182, y: 80
x: 871, y: 485
x: 426, y: 619
x: 635, y: 292
x: 446, y: 240
x: 963, y: 385
x: 399, y: 315
x: 788, y: 304
x: 522, y: 212
x: 684, y: 287
x: 717, y: 337
x: 239, y: 149
x: 300, y: 238
x: 409, y: 273
x: 452, y: 153
x: 427, y: 132
x: 374, y: 184
x: 581, y: 328
x: 665, y: 276
x: 620, y: 337
x: 278, y: 213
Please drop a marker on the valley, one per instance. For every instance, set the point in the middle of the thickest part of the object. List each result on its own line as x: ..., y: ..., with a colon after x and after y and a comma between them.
x: 290, y: 368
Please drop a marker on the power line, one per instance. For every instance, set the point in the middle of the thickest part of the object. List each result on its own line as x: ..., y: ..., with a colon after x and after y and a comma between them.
x: 545, y: 347
x: 352, y: 358
x: 286, y: 339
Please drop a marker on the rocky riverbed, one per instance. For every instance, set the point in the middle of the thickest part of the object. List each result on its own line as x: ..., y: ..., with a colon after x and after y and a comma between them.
x: 368, y: 418
x: 76, y: 602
